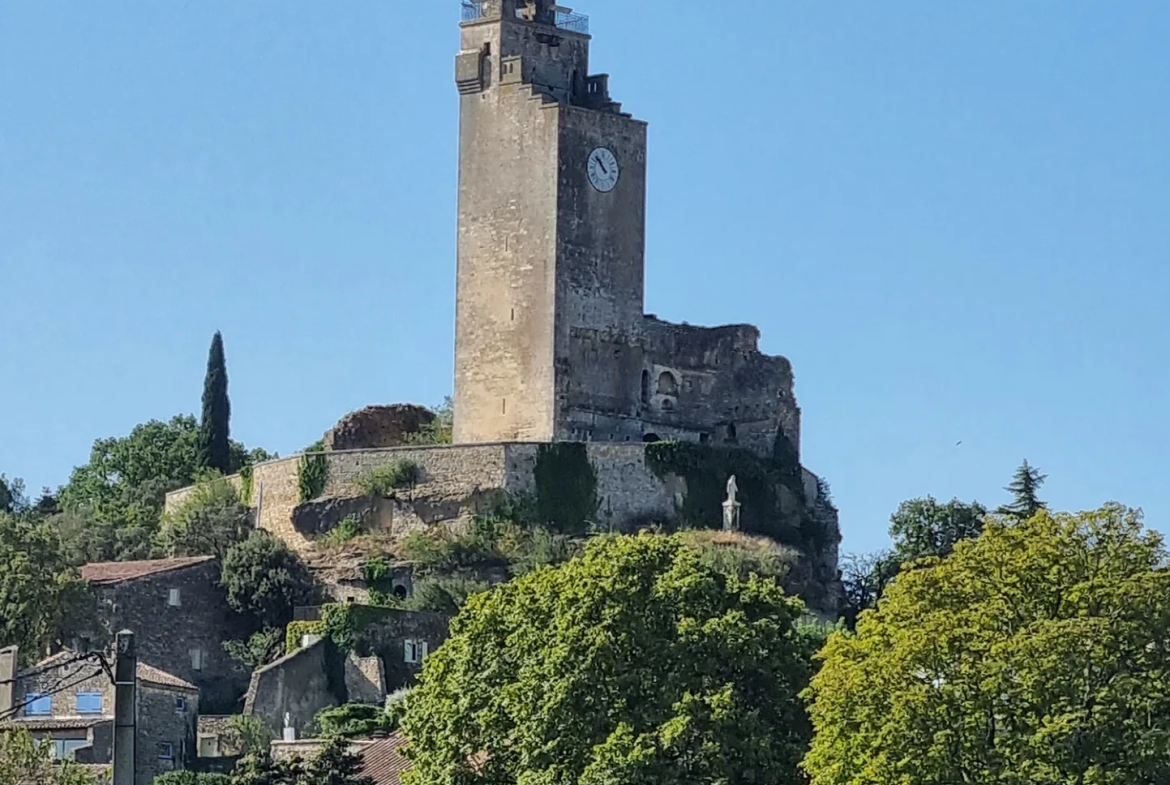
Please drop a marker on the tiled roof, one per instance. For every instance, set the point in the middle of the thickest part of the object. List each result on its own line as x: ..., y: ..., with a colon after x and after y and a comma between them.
x: 151, y: 675
x: 119, y: 571
x: 383, y: 760
x: 147, y: 674
x: 55, y: 723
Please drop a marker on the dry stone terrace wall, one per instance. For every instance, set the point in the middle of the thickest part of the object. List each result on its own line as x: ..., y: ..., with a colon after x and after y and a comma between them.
x: 457, y: 481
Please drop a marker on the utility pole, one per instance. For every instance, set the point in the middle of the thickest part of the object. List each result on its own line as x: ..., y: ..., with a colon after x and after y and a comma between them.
x: 125, y: 708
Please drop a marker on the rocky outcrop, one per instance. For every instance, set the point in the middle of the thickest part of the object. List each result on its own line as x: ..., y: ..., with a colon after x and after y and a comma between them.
x: 378, y: 426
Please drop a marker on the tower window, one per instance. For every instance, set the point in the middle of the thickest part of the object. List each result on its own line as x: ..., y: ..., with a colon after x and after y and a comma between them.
x: 645, y: 387
x: 731, y: 432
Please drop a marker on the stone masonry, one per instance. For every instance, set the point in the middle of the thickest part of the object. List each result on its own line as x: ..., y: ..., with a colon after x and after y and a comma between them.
x: 180, y: 617
x: 552, y: 342
x: 80, y: 719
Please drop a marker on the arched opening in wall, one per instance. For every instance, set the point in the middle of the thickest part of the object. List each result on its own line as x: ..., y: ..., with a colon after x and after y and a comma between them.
x: 650, y: 437
x: 731, y: 432
x: 667, y: 385
x: 645, y: 387
x: 400, y: 592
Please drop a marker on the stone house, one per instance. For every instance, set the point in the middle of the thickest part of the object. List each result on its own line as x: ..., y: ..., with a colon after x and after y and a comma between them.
x: 388, y: 654
x: 68, y: 700
x: 180, y: 617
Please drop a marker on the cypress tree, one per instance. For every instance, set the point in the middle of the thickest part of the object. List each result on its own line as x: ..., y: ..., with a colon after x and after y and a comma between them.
x: 214, y: 449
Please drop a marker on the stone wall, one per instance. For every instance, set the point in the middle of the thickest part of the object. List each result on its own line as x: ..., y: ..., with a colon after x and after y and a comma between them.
x: 299, y: 684
x: 387, y: 637
x: 165, y: 716
x: 186, y: 640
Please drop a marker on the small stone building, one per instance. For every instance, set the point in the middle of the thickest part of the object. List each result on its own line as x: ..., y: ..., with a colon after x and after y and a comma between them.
x: 180, y: 616
x: 68, y: 700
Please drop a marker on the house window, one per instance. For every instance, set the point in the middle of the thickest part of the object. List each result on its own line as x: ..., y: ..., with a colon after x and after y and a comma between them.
x: 173, y: 598
x: 37, y: 705
x: 89, y: 703
x: 415, y: 651
x: 63, y: 749
x: 166, y: 753
x: 196, y: 659
x: 180, y: 705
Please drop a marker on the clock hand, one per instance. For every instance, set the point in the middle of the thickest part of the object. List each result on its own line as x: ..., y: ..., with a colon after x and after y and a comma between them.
x: 599, y: 163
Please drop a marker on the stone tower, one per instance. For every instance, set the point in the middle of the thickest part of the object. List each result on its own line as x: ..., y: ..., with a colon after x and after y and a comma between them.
x: 552, y: 191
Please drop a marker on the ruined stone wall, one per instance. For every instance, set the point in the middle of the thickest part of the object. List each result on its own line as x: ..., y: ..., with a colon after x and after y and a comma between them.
x: 298, y: 684
x: 715, y: 381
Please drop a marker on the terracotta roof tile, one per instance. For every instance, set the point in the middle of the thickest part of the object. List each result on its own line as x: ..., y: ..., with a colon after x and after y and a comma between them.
x: 151, y: 675
x: 383, y: 760
x: 119, y: 571
x: 54, y: 723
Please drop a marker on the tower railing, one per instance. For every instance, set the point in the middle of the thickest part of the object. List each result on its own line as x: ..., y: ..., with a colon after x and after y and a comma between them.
x: 472, y: 10
x: 574, y: 23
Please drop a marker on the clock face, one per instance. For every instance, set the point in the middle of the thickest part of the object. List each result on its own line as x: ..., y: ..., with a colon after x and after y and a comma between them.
x: 603, y: 169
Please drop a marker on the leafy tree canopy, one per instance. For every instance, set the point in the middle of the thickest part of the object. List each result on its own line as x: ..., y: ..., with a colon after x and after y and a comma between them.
x: 208, y: 522
x: 267, y: 579
x: 1037, y: 653
x: 924, y: 527
x: 633, y: 663
x: 124, y: 485
x: 38, y: 594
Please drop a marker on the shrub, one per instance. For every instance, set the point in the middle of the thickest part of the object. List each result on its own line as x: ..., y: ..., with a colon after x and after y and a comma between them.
x: 348, y: 528
x: 267, y: 579
x: 385, y: 480
x: 208, y: 522
x: 354, y: 721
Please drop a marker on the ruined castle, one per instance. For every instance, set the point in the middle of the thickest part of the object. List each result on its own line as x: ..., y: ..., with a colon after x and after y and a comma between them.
x: 556, y: 363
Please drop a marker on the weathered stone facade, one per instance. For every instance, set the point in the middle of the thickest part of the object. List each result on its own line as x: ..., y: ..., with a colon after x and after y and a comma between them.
x: 80, y: 720
x: 179, y: 614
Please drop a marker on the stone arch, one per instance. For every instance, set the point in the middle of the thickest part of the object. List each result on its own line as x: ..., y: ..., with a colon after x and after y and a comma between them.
x: 667, y: 384
x: 650, y: 437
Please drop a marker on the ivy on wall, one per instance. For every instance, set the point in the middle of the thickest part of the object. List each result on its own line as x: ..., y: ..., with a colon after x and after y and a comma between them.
x: 246, y: 484
x: 312, y: 475
x: 706, y: 468
x: 566, y: 488
x: 344, y: 624
x: 296, y: 630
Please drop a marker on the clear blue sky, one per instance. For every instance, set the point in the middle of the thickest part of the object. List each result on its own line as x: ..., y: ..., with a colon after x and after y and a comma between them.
x: 954, y: 219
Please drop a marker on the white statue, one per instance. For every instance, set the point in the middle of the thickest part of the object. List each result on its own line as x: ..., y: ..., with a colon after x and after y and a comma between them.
x: 732, y: 489
x: 731, y: 506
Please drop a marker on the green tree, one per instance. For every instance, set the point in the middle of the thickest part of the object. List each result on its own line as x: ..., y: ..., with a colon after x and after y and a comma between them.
x: 354, y: 721
x: 208, y: 522
x: 633, y: 663
x: 1024, y: 488
x: 122, y: 489
x: 38, y: 593
x: 12, y: 498
x: 267, y: 579
x: 214, y: 441
x: 863, y: 579
x: 261, y: 648
x: 22, y: 762
x: 258, y: 768
x: 335, y: 764
x: 923, y: 527
x: 249, y: 735
x: 1037, y: 653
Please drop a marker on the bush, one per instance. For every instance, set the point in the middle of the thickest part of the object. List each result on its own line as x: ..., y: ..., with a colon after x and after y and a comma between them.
x: 208, y: 522
x: 349, y: 528
x: 385, y: 480
x: 191, y: 778
x: 354, y: 721
x: 443, y: 595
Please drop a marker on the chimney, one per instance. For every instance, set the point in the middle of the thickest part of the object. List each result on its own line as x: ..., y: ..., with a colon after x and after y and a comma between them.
x: 7, y: 678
